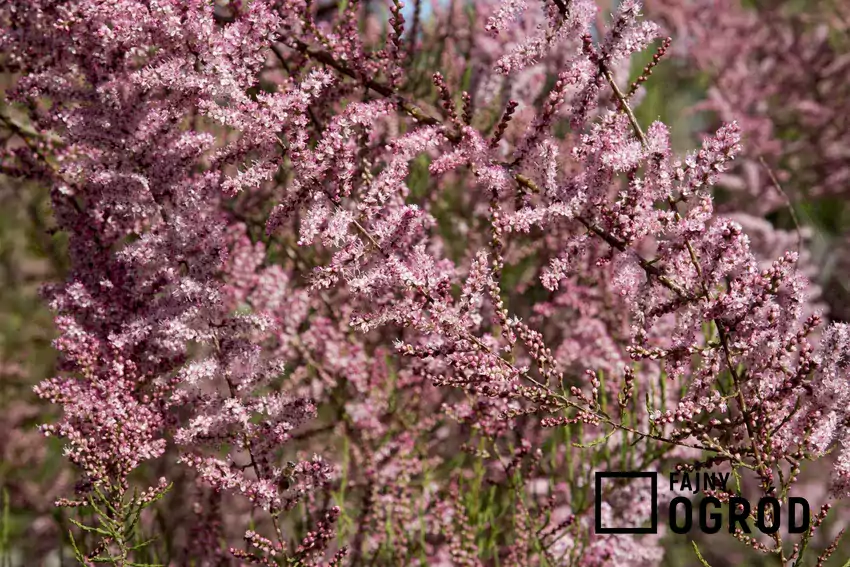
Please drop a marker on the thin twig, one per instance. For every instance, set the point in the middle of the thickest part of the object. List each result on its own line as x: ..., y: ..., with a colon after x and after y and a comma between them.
x: 788, y: 203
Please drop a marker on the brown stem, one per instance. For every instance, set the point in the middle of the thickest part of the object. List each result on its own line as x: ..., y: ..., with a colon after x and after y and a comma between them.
x: 247, y: 442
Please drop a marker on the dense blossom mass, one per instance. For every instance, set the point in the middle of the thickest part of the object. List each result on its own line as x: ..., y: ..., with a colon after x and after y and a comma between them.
x: 336, y: 296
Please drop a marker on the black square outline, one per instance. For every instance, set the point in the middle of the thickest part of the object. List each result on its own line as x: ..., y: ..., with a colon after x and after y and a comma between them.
x: 652, y: 529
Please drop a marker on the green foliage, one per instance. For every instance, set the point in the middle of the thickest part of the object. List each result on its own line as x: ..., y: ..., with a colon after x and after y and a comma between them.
x: 116, y: 528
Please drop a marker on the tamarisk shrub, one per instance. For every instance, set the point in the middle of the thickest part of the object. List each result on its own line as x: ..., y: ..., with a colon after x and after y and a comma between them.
x: 780, y: 72
x: 369, y: 293
x: 775, y: 70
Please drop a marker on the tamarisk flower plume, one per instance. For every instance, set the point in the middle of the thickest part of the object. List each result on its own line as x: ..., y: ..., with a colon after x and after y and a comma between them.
x: 381, y: 320
x: 148, y: 241
x: 781, y: 73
